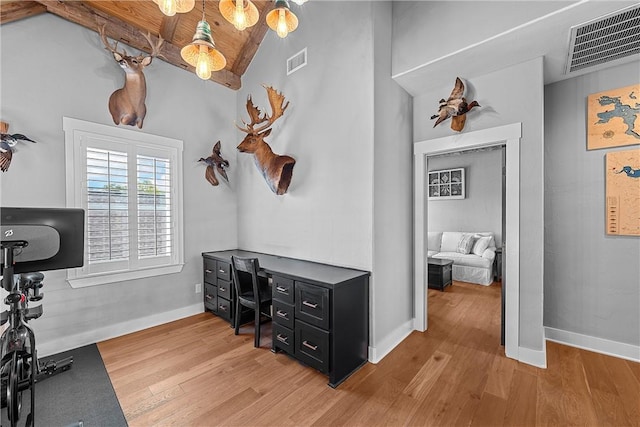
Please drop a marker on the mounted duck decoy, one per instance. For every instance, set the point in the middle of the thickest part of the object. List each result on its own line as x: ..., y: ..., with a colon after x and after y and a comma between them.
x: 7, y: 142
x: 455, y: 107
x: 215, y: 161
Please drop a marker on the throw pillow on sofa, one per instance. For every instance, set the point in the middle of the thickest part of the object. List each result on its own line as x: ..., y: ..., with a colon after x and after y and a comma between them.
x: 481, y: 245
x: 465, y: 244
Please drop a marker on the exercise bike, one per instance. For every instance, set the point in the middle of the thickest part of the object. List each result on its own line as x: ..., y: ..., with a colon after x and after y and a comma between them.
x: 19, y: 365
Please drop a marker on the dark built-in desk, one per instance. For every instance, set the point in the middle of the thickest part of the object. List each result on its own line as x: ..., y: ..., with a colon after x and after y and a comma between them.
x: 320, y: 312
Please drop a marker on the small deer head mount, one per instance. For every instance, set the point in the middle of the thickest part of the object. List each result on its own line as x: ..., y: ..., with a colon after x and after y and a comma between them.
x: 277, y: 170
x: 126, y: 104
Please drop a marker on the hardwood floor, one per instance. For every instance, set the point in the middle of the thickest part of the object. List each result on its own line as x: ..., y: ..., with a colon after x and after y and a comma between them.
x: 196, y: 372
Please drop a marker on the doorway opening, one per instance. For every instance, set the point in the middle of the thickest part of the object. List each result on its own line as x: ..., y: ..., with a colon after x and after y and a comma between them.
x: 465, y: 199
x: 509, y: 136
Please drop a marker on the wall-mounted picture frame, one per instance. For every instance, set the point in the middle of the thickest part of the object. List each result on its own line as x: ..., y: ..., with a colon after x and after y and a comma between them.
x: 623, y: 192
x: 611, y: 118
x: 446, y: 184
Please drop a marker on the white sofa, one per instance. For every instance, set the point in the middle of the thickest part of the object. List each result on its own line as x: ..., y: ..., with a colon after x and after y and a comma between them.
x: 472, y: 254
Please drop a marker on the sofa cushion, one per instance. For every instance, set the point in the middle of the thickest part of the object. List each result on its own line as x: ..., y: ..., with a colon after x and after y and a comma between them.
x: 433, y: 240
x: 450, y: 241
x: 468, y: 260
x: 480, y: 245
x: 465, y: 244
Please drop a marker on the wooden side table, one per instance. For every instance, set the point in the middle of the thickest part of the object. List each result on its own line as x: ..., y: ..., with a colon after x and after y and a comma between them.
x: 497, y: 265
x: 439, y: 273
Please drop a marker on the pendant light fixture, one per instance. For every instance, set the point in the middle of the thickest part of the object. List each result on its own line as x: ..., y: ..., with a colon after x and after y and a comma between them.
x: 171, y: 7
x: 281, y: 19
x: 202, y: 53
x: 241, y: 13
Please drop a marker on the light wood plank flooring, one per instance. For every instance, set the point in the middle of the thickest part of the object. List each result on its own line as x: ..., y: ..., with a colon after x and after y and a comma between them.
x: 196, y: 372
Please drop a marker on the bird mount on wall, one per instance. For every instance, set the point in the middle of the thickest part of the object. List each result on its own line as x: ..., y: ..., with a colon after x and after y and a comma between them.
x: 277, y: 170
x: 215, y: 162
x: 7, y: 142
x: 126, y: 104
x: 456, y: 107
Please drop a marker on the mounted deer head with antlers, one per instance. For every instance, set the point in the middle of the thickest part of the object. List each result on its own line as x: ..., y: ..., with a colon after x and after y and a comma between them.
x: 276, y: 170
x: 126, y: 104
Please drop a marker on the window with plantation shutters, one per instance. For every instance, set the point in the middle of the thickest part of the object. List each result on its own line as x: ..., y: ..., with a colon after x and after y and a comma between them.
x: 129, y: 184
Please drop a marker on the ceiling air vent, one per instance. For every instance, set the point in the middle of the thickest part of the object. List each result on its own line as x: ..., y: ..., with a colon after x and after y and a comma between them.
x: 612, y: 37
x: 297, y: 61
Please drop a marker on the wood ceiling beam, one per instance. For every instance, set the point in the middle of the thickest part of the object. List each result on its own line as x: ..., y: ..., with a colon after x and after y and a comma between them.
x: 168, y: 27
x: 15, y: 10
x: 82, y: 14
x: 250, y: 47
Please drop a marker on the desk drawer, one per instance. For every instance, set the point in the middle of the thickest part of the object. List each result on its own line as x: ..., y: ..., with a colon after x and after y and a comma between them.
x: 283, y: 338
x: 312, y: 346
x: 283, y: 313
x: 224, y: 289
x: 225, y: 309
x: 223, y: 270
x: 312, y: 304
x: 210, y: 297
x: 209, y: 270
x: 283, y: 289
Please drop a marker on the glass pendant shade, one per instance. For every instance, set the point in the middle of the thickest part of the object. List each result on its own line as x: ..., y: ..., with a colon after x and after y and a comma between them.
x: 171, y: 7
x: 241, y: 13
x: 202, y: 54
x: 281, y: 19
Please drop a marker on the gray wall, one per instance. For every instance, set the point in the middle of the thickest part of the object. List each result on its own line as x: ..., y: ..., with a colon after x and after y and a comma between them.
x: 68, y: 72
x: 591, y: 279
x: 392, y: 295
x: 327, y: 214
x: 494, y: 92
x: 481, y: 209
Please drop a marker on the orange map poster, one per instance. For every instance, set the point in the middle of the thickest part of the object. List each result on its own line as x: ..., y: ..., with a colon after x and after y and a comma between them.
x: 623, y: 192
x: 612, y: 118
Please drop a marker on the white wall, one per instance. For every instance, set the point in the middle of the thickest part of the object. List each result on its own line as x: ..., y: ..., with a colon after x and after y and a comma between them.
x: 424, y: 31
x: 495, y: 93
x: 67, y: 72
x: 392, y: 284
x: 481, y: 209
x: 326, y: 215
x: 591, y: 278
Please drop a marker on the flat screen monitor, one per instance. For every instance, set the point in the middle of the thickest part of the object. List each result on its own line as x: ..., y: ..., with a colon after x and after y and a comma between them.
x: 54, y: 236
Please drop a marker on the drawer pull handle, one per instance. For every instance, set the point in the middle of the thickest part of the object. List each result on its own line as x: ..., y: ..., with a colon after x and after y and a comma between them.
x: 308, y: 304
x: 282, y: 338
x: 312, y: 347
x: 281, y: 289
x: 222, y: 307
x: 208, y: 297
x: 282, y: 314
x: 221, y: 270
x: 222, y: 289
x: 208, y: 271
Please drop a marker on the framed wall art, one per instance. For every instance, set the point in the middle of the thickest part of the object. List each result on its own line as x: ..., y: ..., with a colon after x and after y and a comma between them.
x: 623, y: 193
x: 446, y: 184
x: 612, y: 118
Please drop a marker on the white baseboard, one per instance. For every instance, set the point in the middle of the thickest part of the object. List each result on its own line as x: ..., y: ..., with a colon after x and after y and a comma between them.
x: 536, y: 358
x: 390, y: 342
x: 595, y: 344
x: 48, y: 348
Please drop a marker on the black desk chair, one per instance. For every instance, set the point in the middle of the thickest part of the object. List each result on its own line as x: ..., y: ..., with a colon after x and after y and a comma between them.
x: 252, y: 292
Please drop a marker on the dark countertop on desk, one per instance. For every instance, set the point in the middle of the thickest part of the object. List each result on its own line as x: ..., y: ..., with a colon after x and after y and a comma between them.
x: 294, y: 268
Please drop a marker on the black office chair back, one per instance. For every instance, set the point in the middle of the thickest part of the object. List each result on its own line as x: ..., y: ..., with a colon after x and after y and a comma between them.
x: 249, y: 292
x: 245, y: 276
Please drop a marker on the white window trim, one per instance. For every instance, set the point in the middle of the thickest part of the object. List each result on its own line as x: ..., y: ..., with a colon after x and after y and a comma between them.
x: 76, y: 181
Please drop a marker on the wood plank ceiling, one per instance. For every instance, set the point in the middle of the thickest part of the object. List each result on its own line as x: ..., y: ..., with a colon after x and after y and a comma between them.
x: 125, y: 20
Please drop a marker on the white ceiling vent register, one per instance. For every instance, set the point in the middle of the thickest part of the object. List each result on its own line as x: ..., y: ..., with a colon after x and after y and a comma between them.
x: 297, y: 61
x: 609, y: 38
